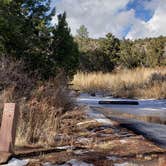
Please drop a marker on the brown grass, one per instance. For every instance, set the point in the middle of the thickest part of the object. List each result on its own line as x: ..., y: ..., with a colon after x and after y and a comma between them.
x: 42, y: 103
x: 139, y: 82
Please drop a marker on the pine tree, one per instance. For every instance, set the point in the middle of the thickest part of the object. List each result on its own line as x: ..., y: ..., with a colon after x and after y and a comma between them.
x: 25, y: 32
x: 110, y: 46
x: 131, y: 54
x: 82, y: 32
x: 65, y: 50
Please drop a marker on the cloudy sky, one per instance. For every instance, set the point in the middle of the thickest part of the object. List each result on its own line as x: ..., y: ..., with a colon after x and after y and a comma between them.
x: 124, y: 18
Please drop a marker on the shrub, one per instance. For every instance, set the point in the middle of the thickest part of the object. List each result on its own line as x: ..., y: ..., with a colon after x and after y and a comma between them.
x: 139, y: 83
x: 41, y: 102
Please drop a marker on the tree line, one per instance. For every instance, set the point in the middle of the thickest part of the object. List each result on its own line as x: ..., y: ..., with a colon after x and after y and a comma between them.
x: 27, y: 33
x: 106, y: 54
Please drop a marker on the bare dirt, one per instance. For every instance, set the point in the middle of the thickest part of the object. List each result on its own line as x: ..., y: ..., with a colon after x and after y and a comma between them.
x: 87, y: 140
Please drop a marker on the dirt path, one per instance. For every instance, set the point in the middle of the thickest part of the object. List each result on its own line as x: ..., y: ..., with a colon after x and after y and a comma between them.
x: 152, y: 131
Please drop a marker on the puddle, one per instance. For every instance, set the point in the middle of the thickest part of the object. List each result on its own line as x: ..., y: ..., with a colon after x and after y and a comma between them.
x: 145, y: 118
x: 150, y: 110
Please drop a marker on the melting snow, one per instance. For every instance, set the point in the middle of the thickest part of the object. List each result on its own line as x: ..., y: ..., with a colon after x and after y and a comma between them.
x: 123, y: 141
x: 75, y: 162
x: 126, y: 164
x: 99, y: 117
x: 65, y: 147
x: 17, y: 162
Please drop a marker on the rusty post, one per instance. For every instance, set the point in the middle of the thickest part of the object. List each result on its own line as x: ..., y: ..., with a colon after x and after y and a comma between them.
x: 8, y: 127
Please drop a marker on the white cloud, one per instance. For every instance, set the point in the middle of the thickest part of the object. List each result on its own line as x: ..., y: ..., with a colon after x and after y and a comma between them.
x: 156, y: 26
x: 99, y: 16
x: 103, y: 16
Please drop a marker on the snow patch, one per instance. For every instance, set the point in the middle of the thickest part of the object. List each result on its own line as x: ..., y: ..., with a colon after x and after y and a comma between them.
x: 72, y: 162
x: 78, y: 152
x: 84, y: 140
x: 112, y: 158
x: 65, y: 147
x: 48, y: 164
x: 126, y: 164
x: 123, y: 141
x: 85, y: 122
x: 17, y: 162
x: 99, y: 117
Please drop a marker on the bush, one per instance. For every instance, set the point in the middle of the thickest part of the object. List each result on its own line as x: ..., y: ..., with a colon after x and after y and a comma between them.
x: 135, y: 83
x: 41, y: 102
x: 157, y: 77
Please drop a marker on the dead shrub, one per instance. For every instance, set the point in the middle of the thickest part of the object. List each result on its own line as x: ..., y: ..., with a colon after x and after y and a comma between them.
x: 136, y: 83
x: 42, y: 103
x: 157, y: 77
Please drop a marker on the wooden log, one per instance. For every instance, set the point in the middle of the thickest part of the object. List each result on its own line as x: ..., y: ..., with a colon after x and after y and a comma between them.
x: 120, y: 102
x: 8, y: 127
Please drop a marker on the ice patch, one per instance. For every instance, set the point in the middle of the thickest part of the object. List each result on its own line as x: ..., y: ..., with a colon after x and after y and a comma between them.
x: 146, y: 107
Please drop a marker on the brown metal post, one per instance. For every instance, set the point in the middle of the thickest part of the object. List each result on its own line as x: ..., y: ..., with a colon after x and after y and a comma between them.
x: 8, y: 127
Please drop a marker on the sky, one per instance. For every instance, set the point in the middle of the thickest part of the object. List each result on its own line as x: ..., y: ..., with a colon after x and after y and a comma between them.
x: 131, y: 19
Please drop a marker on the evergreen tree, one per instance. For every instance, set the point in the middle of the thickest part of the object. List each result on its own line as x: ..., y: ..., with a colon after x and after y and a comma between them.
x: 82, y: 32
x: 155, y: 52
x: 131, y: 55
x: 82, y: 38
x: 110, y: 46
x: 25, y: 32
x: 65, y: 51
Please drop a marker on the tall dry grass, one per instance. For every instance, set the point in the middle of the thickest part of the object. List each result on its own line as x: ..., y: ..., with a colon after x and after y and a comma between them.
x: 139, y: 83
x: 42, y: 103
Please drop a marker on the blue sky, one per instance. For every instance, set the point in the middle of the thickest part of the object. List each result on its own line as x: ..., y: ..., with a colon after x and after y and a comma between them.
x: 140, y: 11
x: 124, y: 18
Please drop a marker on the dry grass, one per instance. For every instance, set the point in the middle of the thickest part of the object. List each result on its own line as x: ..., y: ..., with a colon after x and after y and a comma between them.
x: 40, y: 115
x: 42, y: 103
x: 139, y: 82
